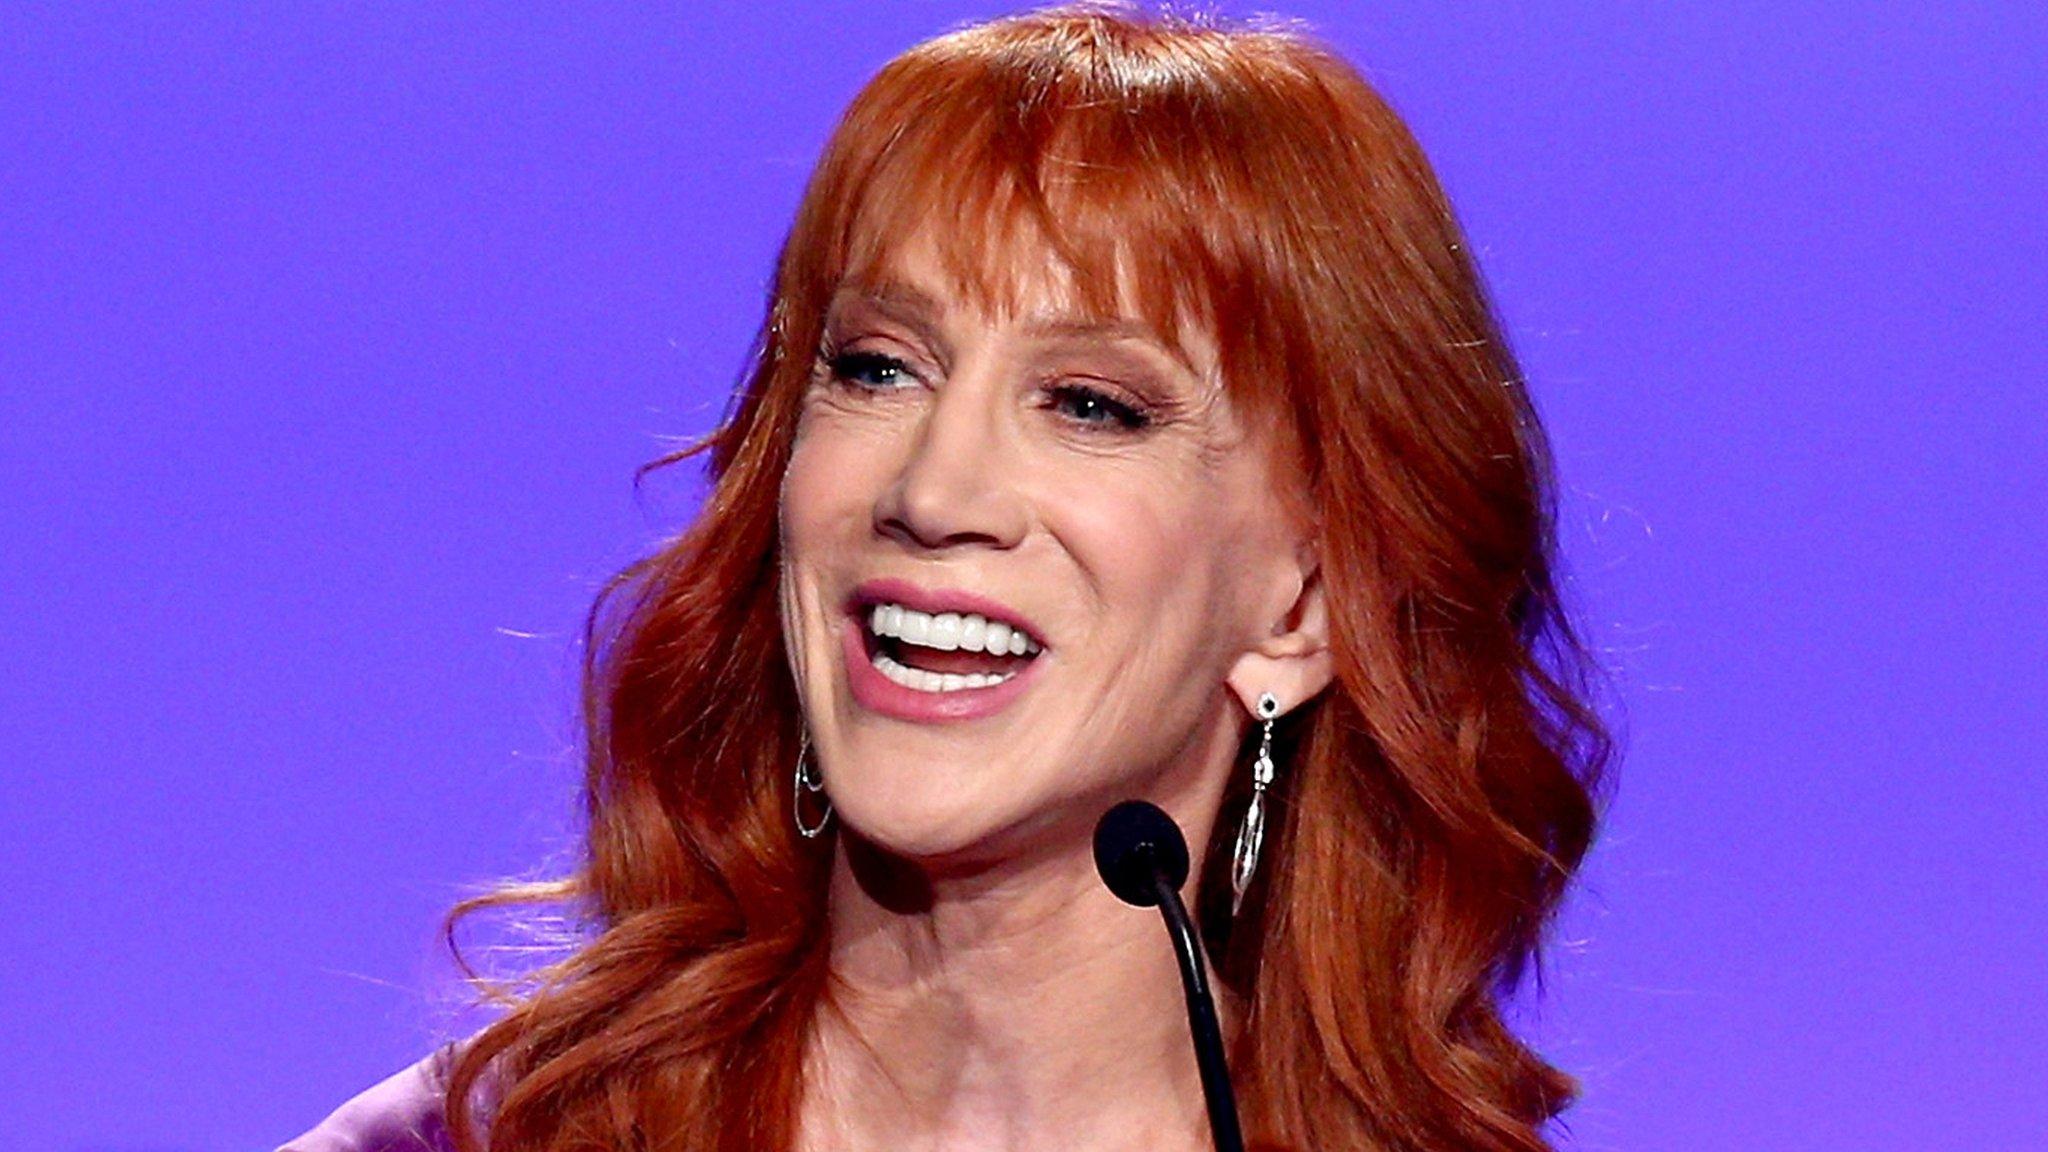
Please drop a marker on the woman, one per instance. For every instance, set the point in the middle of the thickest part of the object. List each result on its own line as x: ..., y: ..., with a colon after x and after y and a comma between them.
x: 1129, y: 422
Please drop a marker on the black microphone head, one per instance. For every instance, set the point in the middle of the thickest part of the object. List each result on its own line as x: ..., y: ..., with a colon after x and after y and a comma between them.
x: 1133, y: 841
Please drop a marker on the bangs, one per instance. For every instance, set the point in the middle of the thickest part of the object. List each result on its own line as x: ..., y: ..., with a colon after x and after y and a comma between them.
x: 1244, y: 182
x: 1116, y: 170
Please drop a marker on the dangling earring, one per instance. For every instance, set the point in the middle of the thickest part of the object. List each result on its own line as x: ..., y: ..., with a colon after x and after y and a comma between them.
x: 1252, y: 833
x: 809, y: 780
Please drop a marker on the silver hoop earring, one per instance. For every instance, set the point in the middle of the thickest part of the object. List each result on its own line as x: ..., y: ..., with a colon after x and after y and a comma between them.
x: 809, y: 781
x: 1251, y: 835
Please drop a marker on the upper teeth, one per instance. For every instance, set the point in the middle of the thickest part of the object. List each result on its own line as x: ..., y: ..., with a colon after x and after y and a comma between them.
x: 949, y: 631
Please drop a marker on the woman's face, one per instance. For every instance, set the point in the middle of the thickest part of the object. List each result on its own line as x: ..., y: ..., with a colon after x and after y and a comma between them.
x: 1031, y: 566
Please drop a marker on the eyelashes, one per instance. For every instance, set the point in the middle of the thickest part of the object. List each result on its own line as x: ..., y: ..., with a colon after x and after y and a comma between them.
x: 871, y: 370
x: 1088, y: 406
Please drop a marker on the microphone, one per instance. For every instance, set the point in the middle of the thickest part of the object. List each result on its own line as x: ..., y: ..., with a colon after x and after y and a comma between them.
x: 1144, y: 859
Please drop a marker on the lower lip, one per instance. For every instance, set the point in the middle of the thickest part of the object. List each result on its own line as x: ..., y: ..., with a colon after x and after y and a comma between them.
x: 877, y: 693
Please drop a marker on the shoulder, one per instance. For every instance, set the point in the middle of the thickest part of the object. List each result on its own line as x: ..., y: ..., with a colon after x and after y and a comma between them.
x: 402, y: 1114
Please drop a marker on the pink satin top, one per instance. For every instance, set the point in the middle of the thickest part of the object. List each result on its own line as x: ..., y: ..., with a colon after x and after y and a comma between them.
x: 402, y: 1114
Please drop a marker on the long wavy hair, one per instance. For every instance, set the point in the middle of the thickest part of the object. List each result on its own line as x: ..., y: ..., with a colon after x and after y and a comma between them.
x: 1432, y: 803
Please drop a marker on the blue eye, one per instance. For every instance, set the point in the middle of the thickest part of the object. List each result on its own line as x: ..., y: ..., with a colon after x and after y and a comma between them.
x: 870, y: 370
x: 1088, y: 406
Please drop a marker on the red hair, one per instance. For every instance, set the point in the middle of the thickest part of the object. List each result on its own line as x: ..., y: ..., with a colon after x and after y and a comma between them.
x: 1433, y: 802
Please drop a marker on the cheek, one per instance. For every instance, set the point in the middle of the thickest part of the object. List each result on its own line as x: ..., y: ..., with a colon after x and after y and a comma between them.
x: 1137, y: 552
x: 1155, y: 544
x: 830, y: 483
x: 821, y: 507
x: 1189, y: 556
x: 803, y: 502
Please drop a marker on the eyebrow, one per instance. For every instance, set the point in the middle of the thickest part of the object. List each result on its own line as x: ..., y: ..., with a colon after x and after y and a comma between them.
x: 909, y: 302
x: 918, y: 307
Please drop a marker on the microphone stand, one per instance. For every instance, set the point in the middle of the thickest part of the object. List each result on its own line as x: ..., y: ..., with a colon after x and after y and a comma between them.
x: 1143, y: 858
x: 1202, y: 1022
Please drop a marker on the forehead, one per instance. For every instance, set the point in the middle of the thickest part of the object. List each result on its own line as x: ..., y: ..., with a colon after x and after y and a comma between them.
x: 1019, y: 282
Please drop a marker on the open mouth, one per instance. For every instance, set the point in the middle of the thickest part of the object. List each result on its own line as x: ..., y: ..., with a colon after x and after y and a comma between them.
x: 945, y: 651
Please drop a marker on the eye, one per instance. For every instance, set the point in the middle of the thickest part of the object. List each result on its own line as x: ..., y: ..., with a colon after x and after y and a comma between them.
x: 1085, y: 405
x: 871, y: 370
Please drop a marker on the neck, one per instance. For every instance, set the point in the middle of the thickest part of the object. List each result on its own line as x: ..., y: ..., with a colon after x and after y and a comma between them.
x: 1010, y: 1012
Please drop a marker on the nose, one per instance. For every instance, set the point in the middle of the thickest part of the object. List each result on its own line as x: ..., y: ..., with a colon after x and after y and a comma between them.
x: 956, y: 486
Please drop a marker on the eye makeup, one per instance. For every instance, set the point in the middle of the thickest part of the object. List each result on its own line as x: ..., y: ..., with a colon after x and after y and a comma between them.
x: 1106, y: 378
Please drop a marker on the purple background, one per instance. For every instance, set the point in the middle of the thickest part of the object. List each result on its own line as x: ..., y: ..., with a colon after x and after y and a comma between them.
x: 330, y: 336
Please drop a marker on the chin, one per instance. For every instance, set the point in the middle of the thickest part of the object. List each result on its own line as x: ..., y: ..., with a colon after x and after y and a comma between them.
x: 943, y: 831
x: 925, y: 829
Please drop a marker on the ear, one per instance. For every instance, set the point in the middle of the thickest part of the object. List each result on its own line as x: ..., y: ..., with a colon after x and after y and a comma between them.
x: 1292, y: 661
